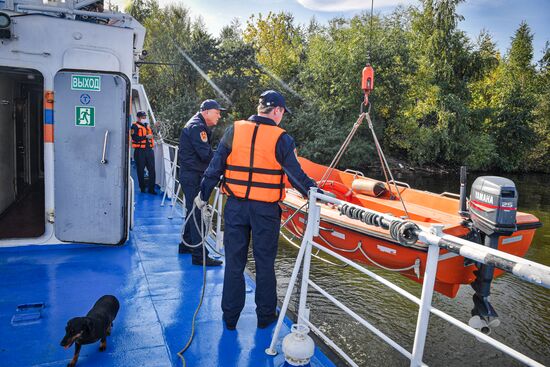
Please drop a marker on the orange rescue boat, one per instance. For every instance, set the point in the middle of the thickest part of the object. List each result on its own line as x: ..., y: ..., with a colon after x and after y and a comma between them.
x: 374, y: 246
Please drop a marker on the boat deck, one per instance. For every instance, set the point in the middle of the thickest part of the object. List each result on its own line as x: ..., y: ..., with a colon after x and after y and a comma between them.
x: 158, y: 291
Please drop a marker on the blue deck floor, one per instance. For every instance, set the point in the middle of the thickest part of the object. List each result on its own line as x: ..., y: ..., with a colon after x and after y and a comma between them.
x: 158, y: 291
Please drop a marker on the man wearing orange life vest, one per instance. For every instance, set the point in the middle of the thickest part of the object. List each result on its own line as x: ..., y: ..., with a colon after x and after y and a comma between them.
x: 144, y: 156
x: 253, y: 155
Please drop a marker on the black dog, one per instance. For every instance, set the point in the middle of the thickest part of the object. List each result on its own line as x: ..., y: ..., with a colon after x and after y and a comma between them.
x: 95, y: 326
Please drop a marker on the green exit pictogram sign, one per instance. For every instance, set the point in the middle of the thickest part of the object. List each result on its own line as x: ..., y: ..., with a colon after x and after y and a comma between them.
x: 86, y: 82
x: 85, y: 116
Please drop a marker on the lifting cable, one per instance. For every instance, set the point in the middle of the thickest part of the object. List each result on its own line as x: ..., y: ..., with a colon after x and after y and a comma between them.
x: 367, y: 84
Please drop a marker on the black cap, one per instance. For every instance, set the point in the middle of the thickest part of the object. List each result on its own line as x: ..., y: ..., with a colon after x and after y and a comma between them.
x: 141, y: 114
x: 211, y: 104
x: 271, y: 98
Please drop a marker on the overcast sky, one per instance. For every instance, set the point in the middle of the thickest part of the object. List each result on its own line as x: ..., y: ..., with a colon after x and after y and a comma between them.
x: 500, y: 17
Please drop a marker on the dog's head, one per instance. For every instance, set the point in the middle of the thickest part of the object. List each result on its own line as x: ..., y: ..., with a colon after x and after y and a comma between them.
x: 74, y: 330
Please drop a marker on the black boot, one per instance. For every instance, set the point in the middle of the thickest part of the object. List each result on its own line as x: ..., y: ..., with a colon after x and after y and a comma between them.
x: 209, y: 262
x: 266, y: 321
x: 184, y: 249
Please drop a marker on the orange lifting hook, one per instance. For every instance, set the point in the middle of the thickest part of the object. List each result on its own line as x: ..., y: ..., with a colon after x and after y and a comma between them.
x: 367, y: 82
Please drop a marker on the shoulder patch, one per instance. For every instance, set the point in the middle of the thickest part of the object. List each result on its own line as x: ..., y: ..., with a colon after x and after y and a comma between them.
x: 204, y: 137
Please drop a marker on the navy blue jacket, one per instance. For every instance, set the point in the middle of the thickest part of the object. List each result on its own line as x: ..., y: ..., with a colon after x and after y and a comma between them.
x: 195, y: 151
x: 284, y: 153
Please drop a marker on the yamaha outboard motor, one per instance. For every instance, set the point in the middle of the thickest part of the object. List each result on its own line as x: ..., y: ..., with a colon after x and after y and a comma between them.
x: 493, y: 207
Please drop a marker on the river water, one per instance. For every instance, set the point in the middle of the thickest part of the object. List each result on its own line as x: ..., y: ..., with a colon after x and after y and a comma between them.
x: 524, y: 309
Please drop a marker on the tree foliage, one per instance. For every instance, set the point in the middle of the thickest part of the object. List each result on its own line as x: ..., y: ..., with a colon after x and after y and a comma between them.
x: 440, y: 99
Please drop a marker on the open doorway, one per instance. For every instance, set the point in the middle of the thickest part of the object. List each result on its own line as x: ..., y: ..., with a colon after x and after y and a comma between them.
x: 22, y: 213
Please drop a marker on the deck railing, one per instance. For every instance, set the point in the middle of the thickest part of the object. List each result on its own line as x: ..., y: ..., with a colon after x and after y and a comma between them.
x: 432, y: 237
x: 173, y: 191
x: 435, y: 239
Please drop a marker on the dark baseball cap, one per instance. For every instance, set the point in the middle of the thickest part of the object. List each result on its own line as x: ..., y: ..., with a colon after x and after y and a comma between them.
x: 271, y: 98
x: 141, y: 114
x: 211, y: 104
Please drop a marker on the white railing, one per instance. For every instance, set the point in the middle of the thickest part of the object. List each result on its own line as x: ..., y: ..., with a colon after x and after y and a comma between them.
x: 170, y: 165
x: 434, y: 239
x: 172, y: 190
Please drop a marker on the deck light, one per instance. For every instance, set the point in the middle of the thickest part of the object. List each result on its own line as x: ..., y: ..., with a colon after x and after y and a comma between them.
x: 5, y: 23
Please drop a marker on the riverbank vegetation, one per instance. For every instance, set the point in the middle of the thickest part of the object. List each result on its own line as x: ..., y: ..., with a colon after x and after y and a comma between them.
x: 441, y: 99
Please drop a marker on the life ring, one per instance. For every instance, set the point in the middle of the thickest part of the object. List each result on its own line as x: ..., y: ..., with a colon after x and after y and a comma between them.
x: 341, y: 191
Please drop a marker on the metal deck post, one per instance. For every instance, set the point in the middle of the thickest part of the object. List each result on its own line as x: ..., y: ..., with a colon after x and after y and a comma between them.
x: 308, y: 237
x: 172, y: 182
x: 219, y: 233
x: 425, y: 305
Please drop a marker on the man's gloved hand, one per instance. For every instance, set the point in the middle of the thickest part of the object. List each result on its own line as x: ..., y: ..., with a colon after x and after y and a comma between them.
x: 327, y: 193
x: 199, y: 203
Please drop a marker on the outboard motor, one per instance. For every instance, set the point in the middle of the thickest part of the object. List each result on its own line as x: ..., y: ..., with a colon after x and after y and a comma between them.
x: 493, y: 207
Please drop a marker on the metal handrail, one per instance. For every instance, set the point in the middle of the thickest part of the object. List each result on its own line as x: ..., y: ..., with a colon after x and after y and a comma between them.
x: 400, y: 183
x: 354, y: 172
x: 450, y: 194
x: 435, y: 239
x: 176, y: 199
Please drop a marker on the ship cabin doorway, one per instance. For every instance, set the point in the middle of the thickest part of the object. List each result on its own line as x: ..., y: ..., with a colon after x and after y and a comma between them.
x: 22, y: 213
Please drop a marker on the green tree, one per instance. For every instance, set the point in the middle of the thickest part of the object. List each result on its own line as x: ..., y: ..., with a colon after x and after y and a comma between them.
x: 142, y: 9
x: 513, y: 127
x: 520, y: 56
x: 540, y: 155
x: 277, y: 41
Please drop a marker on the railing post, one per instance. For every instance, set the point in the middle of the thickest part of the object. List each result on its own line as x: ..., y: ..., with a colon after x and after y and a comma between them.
x: 308, y: 236
x: 425, y: 305
x: 313, y: 218
x: 219, y: 233
x: 171, y: 182
x: 184, y: 211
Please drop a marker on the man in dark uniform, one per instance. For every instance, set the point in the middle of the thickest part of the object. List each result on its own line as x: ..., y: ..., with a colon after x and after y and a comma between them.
x: 253, y: 155
x: 144, y: 156
x: 195, y: 152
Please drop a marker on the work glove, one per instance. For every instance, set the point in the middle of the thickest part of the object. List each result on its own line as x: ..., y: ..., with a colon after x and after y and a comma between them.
x: 327, y: 193
x: 199, y: 203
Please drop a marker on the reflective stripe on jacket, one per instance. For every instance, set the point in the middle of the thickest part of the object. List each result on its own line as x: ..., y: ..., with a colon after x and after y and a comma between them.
x: 252, y: 171
x: 142, y: 132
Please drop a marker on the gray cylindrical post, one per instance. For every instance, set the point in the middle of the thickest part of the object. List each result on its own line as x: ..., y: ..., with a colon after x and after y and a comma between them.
x: 463, y: 210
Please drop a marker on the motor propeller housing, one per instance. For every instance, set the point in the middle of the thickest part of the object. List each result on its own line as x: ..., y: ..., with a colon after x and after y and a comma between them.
x: 493, y: 208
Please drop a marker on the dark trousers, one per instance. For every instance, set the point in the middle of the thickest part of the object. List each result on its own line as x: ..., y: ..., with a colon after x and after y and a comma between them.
x: 190, y: 183
x: 244, y: 218
x: 145, y: 158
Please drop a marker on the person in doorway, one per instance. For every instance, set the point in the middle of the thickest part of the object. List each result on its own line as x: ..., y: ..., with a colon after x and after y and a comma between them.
x: 253, y: 155
x: 144, y: 156
x: 195, y: 152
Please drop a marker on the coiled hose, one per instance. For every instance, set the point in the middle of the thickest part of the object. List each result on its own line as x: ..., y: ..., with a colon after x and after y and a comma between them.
x: 403, y: 231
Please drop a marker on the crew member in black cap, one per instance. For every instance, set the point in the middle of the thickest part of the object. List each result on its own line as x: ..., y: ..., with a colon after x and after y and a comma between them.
x: 253, y: 155
x: 195, y: 152
x: 144, y: 156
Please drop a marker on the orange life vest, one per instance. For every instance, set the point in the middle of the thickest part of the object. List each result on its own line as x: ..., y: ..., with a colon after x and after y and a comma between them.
x: 143, y: 131
x: 252, y: 170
